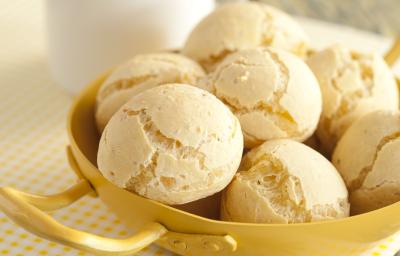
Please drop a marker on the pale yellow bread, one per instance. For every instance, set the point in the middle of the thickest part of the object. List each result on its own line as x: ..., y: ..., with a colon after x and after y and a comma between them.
x: 368, y: 158
x: 141, y: 73
x: 173, y: 143
x: 237, y: 26
x: 352, y: 85
x: 284, y: 181
x: 273, y: 93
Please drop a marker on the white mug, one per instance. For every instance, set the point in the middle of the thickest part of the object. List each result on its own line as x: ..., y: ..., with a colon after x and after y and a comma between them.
x: 87, y: 37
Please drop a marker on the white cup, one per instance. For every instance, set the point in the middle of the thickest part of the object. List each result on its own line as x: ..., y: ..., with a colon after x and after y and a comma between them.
x: 87, y: 37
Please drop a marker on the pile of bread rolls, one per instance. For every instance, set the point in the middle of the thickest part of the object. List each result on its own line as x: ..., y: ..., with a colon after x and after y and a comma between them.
x: 231, y: 112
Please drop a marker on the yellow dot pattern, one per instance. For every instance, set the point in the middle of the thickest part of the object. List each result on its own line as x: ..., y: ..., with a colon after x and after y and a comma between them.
x: 33, y: 138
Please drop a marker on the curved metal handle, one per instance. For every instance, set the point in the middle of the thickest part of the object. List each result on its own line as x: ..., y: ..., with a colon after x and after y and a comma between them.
x: 26, y: 210
x: 394, y: 52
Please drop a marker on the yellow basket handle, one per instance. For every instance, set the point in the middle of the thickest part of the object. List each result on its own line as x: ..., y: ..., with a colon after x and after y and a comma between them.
x: 27, y: 211
x: 394, y: 52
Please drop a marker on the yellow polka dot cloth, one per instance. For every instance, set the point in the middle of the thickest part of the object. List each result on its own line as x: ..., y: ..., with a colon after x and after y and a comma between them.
x: 33, y: 138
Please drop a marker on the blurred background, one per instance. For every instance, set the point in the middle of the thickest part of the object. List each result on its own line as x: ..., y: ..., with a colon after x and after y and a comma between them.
x: 379, y: 16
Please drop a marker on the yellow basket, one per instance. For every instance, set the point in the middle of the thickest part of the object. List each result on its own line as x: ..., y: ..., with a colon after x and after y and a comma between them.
x: 174, y: 229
